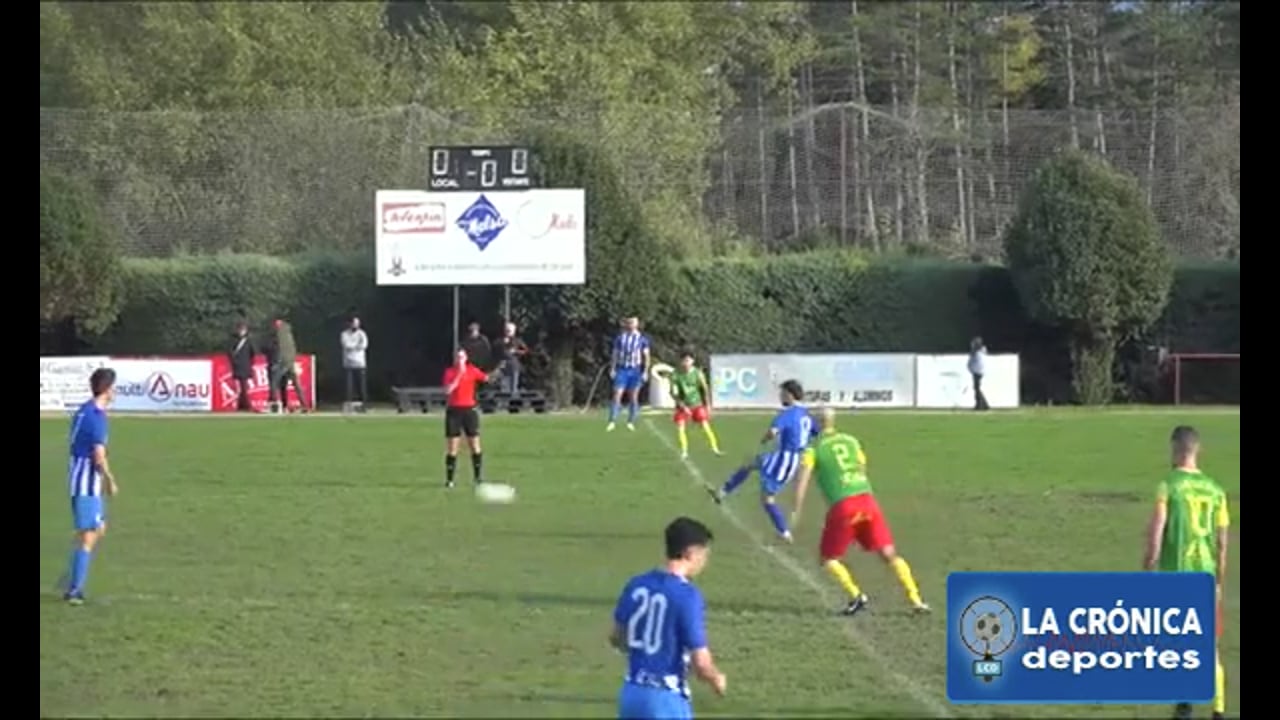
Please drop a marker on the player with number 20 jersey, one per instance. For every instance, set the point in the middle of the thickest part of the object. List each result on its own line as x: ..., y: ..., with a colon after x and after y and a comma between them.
x: 658, y: 624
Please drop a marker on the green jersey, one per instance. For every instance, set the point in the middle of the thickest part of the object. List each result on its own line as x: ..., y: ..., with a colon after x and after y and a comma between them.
x: 686, y: 387
x: 1196, y: 508
x: 839, y: 466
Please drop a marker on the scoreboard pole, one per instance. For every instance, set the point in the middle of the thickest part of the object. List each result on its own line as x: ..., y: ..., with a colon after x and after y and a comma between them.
x: 457, y: 330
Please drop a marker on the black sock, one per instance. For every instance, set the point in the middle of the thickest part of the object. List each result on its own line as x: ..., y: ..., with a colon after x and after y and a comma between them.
x: 450, y: 466
x: 475, y: 465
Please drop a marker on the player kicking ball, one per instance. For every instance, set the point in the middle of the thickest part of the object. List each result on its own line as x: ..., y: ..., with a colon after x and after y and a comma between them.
x: 792, y: 427
x: 1188, y: 533
x: 692, y: 395
x: 840, y: 466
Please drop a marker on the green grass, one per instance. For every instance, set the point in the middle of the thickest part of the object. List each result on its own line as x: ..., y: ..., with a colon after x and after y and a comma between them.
x: 314, y: 567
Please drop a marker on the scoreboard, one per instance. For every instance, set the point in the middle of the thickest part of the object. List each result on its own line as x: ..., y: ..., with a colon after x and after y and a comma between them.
x: 480, y: 168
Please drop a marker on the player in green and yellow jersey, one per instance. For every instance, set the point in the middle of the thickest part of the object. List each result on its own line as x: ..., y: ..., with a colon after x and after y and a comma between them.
x: 692, y: 394
x: 837, y: 461
x: 1188, y: 533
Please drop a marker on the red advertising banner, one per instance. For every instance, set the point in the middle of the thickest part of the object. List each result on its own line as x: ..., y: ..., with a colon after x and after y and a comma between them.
x: 226, y: 389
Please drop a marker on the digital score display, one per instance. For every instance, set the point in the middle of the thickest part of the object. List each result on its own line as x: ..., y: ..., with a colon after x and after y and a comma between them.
x: 479, y: 168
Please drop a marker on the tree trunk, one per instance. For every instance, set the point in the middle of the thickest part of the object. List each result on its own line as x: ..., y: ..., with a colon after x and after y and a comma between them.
x: 762, y: 151
x: 899, y: 202
x: 1155, y: 119
x: 962, y: 225
x: 1095, y: 57
x: 793, y: 173
x: 810, y: 145
x: 730, y: 194
x: 844, y: 176
x: 1071, y: 74
x: 863, y: 157
x: 922, y: 156
x: 1005, y: 169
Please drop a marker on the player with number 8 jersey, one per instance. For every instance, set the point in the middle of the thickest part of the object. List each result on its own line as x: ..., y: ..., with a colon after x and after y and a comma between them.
x: 840, y: 467
x: 658, y: 624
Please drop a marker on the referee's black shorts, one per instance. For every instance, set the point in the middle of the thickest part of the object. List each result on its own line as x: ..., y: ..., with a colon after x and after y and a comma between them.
x: 459, y: 421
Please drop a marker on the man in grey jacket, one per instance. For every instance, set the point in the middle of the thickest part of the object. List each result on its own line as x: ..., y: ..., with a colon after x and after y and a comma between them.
x: 354, y: 344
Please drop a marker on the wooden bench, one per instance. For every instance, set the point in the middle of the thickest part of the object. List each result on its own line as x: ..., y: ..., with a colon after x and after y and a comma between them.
x: 423, y: 399
x: 536, y: 401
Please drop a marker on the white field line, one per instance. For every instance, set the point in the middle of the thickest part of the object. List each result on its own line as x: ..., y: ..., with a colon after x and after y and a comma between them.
x: 913, y: 688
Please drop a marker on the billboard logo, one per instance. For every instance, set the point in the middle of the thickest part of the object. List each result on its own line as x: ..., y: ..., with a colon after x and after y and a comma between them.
x: 482, y: 223
x: 742, y: 382
x: 411, y: 218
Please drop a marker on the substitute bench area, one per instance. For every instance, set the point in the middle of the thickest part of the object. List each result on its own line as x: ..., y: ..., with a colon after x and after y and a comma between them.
x: 431, y: 399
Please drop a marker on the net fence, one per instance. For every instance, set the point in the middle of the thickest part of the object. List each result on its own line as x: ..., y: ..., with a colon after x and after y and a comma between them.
x: 784, y: 176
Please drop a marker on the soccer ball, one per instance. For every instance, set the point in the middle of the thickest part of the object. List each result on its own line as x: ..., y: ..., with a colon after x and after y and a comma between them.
x: 495, y: 493
x: 987, y: 627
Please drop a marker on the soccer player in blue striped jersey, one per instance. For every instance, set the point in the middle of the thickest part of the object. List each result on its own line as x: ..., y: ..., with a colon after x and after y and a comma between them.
x: 792, y: 428
x: 89, y: 478
x: 628, y: 368
x: 658, y: 624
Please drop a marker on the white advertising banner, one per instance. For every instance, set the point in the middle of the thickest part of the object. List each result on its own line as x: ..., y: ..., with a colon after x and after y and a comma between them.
x: 163, y: 385
x: 884, y: 380
x: 500, y: 237
x: 64, y: 381
x: 944, y: 382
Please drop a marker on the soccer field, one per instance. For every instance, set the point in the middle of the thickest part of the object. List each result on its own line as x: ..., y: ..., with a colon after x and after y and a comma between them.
x: 315, y: 566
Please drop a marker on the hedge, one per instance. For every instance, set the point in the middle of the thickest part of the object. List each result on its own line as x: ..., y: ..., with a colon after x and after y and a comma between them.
x: 824, y: 301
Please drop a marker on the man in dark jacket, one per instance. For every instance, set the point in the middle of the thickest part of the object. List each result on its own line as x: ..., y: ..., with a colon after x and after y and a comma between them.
x: 241, y: 358
x: 477, y: 346
x: 284, y: 357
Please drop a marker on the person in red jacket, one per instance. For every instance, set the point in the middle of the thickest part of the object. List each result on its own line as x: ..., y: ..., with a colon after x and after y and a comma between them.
x: 461, y: 416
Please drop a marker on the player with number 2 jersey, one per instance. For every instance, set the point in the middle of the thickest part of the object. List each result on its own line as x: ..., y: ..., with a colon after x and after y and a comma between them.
x: 658, y: 624
x: 853, y: 515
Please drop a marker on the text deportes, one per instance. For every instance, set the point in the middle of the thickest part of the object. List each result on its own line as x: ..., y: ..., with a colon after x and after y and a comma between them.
x: 1117, y: 620
x: 1078, y: 661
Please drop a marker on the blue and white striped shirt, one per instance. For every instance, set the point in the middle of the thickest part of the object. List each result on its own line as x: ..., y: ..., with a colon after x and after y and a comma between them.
x: 88, y: 430
x: 629, y: 349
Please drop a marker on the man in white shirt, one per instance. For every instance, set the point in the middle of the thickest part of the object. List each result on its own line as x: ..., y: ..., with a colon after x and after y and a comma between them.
x: 978, y: 368
x: 354, y: 344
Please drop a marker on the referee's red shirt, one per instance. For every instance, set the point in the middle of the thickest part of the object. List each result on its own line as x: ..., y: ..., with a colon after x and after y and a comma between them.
x: 464, y: 396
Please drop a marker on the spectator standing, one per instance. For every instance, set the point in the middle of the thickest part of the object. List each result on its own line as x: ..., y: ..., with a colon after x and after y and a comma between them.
x: 354, y: 344
x: 284, y: 359
x: 511, y: 350
x: 978, y: 368
x: 477, y: 346
x: 241, y: 359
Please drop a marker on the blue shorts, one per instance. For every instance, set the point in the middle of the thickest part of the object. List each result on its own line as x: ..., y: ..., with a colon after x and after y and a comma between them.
x: 88, y: 512
x: 628, y: 379
x: 636, y: 702
x: 776, y: 468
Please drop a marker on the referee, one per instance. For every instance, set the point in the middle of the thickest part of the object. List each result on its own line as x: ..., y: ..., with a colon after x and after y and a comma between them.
x: 460, y: 415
